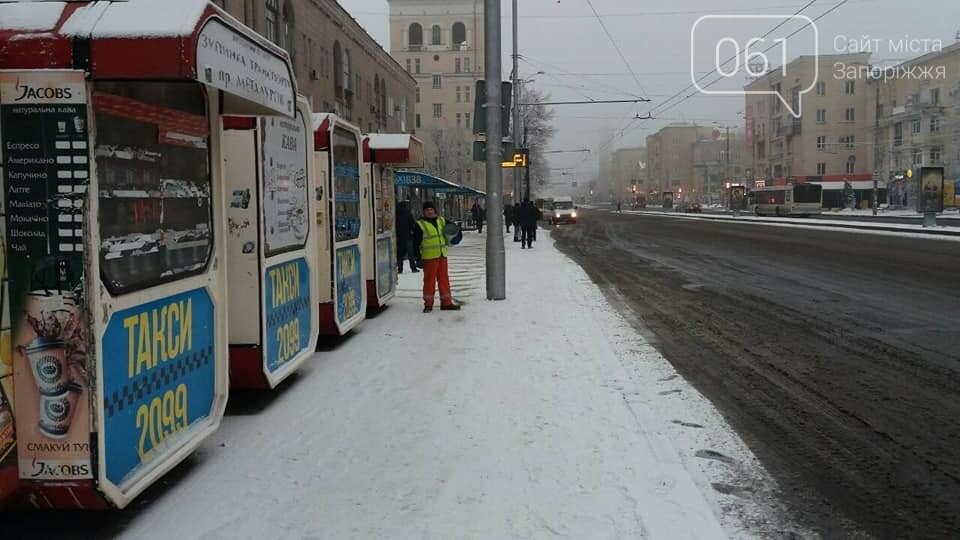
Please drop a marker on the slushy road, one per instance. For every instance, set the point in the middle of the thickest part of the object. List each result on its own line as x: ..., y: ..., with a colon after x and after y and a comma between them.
x: 836, y: 355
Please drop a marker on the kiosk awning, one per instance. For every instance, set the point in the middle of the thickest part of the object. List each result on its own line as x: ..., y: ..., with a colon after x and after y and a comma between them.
x: 396, y: 149
x: 151, y: 40
x: 438, y: 185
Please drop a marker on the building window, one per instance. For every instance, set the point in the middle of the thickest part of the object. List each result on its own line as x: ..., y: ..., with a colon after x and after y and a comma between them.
x: 456, y: 65
x: 458, y: 120
x: 821, y: 169
x: 370, y: 91
x: 418, y: 94
x: 417, y: 119
x: 850, y: 167
x: 288, y: 31
x: 416, y: 66
x: 415, y: 38
x: 915, y: 128
x: 851, y: 113
x: 466, y: 65
x: 346, y: 69
x: 337, y: 69
x: 917, y: 157
x: 435, y: 35
x: 409, y: 62
x: 898, y: 134
x: 935, y: 154
x: 821, y: 116
x: 437, y: 110
x: 821, y: 142
x: 466, y: 90
x: 358, y: 89
x: 821, y: 88
x: 850, y: 88
x: 935, y: 124
x: 935, y: 96
x: 466, y: 120
x: 437, y: 82
x: 851, y: 143
x: 458, y: 94
x: 468, y: 175
x: 273, y: 12
x: 459, y: 33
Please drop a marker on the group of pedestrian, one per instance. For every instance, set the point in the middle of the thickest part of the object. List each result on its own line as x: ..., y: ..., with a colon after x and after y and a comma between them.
x: 524, y: 219
x: 424, y: 242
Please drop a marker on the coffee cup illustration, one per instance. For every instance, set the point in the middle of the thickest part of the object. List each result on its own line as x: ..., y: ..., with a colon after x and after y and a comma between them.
x: 48, y: 363
x: 56, y: 412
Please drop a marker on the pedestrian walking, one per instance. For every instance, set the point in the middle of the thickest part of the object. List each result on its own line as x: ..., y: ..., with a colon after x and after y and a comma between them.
x: 619, y: 203
x: 508, y: 216
x: 478, y: 214
x: 405, y: 232
x: 431, y: 242
x: 528, y: 223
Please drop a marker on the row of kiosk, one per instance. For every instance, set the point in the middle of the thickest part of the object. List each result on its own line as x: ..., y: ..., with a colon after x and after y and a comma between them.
x: 177, y: 222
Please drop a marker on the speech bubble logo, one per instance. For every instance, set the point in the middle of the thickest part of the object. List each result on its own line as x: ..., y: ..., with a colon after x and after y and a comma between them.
x: 752, y: 54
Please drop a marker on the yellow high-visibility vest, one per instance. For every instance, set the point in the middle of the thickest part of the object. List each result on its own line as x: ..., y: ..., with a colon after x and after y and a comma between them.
x: 434, y: 243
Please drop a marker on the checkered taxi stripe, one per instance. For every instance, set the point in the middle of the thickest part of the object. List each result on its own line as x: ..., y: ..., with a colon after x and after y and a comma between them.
x: 289, y: 311
x: 156, y: 379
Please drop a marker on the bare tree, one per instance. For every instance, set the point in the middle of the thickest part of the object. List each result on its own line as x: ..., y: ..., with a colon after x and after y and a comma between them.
x: 537, y: 120
x: 447, y: 154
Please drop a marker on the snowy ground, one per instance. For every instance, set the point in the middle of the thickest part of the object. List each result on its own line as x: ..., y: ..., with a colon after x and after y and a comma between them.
x: 542, y: 415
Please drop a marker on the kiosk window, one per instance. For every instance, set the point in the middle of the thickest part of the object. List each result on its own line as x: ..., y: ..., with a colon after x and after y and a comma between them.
x: 385, y: 201
x: 154, y: 183
x: 346, y: 184
x: 284, y: 184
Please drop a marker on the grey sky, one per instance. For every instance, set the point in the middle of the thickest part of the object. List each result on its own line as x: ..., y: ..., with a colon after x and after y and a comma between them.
x: 561, y: 37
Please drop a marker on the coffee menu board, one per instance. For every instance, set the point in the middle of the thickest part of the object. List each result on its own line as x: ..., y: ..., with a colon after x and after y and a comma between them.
x: 284, y: 184
x: 45, y: 176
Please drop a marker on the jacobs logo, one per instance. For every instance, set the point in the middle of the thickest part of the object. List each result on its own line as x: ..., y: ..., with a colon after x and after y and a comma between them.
x: 36, y: 92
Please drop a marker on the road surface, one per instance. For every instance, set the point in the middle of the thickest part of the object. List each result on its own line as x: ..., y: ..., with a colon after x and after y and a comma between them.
x: 836, y: 355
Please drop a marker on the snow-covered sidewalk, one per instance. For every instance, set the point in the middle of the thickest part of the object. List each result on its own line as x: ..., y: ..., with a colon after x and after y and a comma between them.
x: 542, y: 415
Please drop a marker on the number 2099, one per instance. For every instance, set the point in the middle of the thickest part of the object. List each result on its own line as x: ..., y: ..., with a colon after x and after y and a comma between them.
x: 162, y: 417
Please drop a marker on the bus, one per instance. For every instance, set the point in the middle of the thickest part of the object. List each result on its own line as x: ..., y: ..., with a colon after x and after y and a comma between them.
x: 788, y: 200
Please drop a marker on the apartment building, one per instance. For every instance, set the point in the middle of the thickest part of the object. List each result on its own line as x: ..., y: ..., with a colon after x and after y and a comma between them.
x: 440, y: 44
x: 670, y: 160
x: 918, y: 124
x: 629, y: 169
x: 338, y: 65
x: 831, y: 140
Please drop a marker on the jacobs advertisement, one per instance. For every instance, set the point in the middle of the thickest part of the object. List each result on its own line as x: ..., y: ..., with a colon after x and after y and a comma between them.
x: 286, y: 291
x: 45, y: 176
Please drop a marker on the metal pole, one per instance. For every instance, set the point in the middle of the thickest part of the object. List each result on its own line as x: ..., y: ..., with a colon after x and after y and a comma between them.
x: 726, y: 167
x: 526, y: 190
x: 516, y: 103
x: 496, y: 264
x: 876, y: 155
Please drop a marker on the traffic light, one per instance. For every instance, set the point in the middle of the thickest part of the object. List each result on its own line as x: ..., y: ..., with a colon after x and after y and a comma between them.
x: 480, y: 114
x: 480, y: 150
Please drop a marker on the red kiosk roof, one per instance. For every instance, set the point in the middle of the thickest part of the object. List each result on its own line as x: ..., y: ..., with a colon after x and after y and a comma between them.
x: 396, y: 149
x: 151, y: 40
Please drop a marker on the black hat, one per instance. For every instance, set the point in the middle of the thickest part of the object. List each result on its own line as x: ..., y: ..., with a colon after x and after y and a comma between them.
x: 429, y: 204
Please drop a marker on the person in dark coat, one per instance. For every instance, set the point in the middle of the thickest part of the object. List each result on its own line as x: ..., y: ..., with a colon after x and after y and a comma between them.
x: 528, y: 223
x: 478, y: 214
x: 405, y: 232
x: 508, y: 215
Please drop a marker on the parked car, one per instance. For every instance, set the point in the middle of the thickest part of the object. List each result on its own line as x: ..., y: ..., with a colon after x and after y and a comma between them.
x: 694, y: 208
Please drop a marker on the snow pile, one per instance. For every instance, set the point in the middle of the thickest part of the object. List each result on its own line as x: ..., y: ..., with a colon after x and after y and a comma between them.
x: 30, y: 16
x: 536, y: 416
x: 136, y: 18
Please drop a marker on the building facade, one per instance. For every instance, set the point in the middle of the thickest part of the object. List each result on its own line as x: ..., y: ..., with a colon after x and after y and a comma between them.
x: 338, y: 65
x: 918, y: 124
x: 440, y: 44
x: 629, y: 170
x: 831, y: 140
x: 670, y: 160
x: 718, y: 161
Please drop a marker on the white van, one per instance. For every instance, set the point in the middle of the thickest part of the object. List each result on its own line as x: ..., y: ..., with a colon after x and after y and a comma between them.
x: 564, y: 211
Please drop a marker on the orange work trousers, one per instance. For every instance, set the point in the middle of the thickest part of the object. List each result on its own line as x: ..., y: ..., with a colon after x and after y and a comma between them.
x: 435, y: 271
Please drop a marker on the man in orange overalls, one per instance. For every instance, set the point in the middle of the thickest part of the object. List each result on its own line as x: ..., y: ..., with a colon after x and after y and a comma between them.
x: 432, y: 243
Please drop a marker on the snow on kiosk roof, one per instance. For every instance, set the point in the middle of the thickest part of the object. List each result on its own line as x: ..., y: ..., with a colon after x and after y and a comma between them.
x: 151, y: 40
x: 395, y: 149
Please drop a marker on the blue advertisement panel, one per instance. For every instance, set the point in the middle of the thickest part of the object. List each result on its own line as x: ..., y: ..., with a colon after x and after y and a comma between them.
x: 349, y: 283
x: 158, y: 378
x: 287, y: 303
x: 385, y: 266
